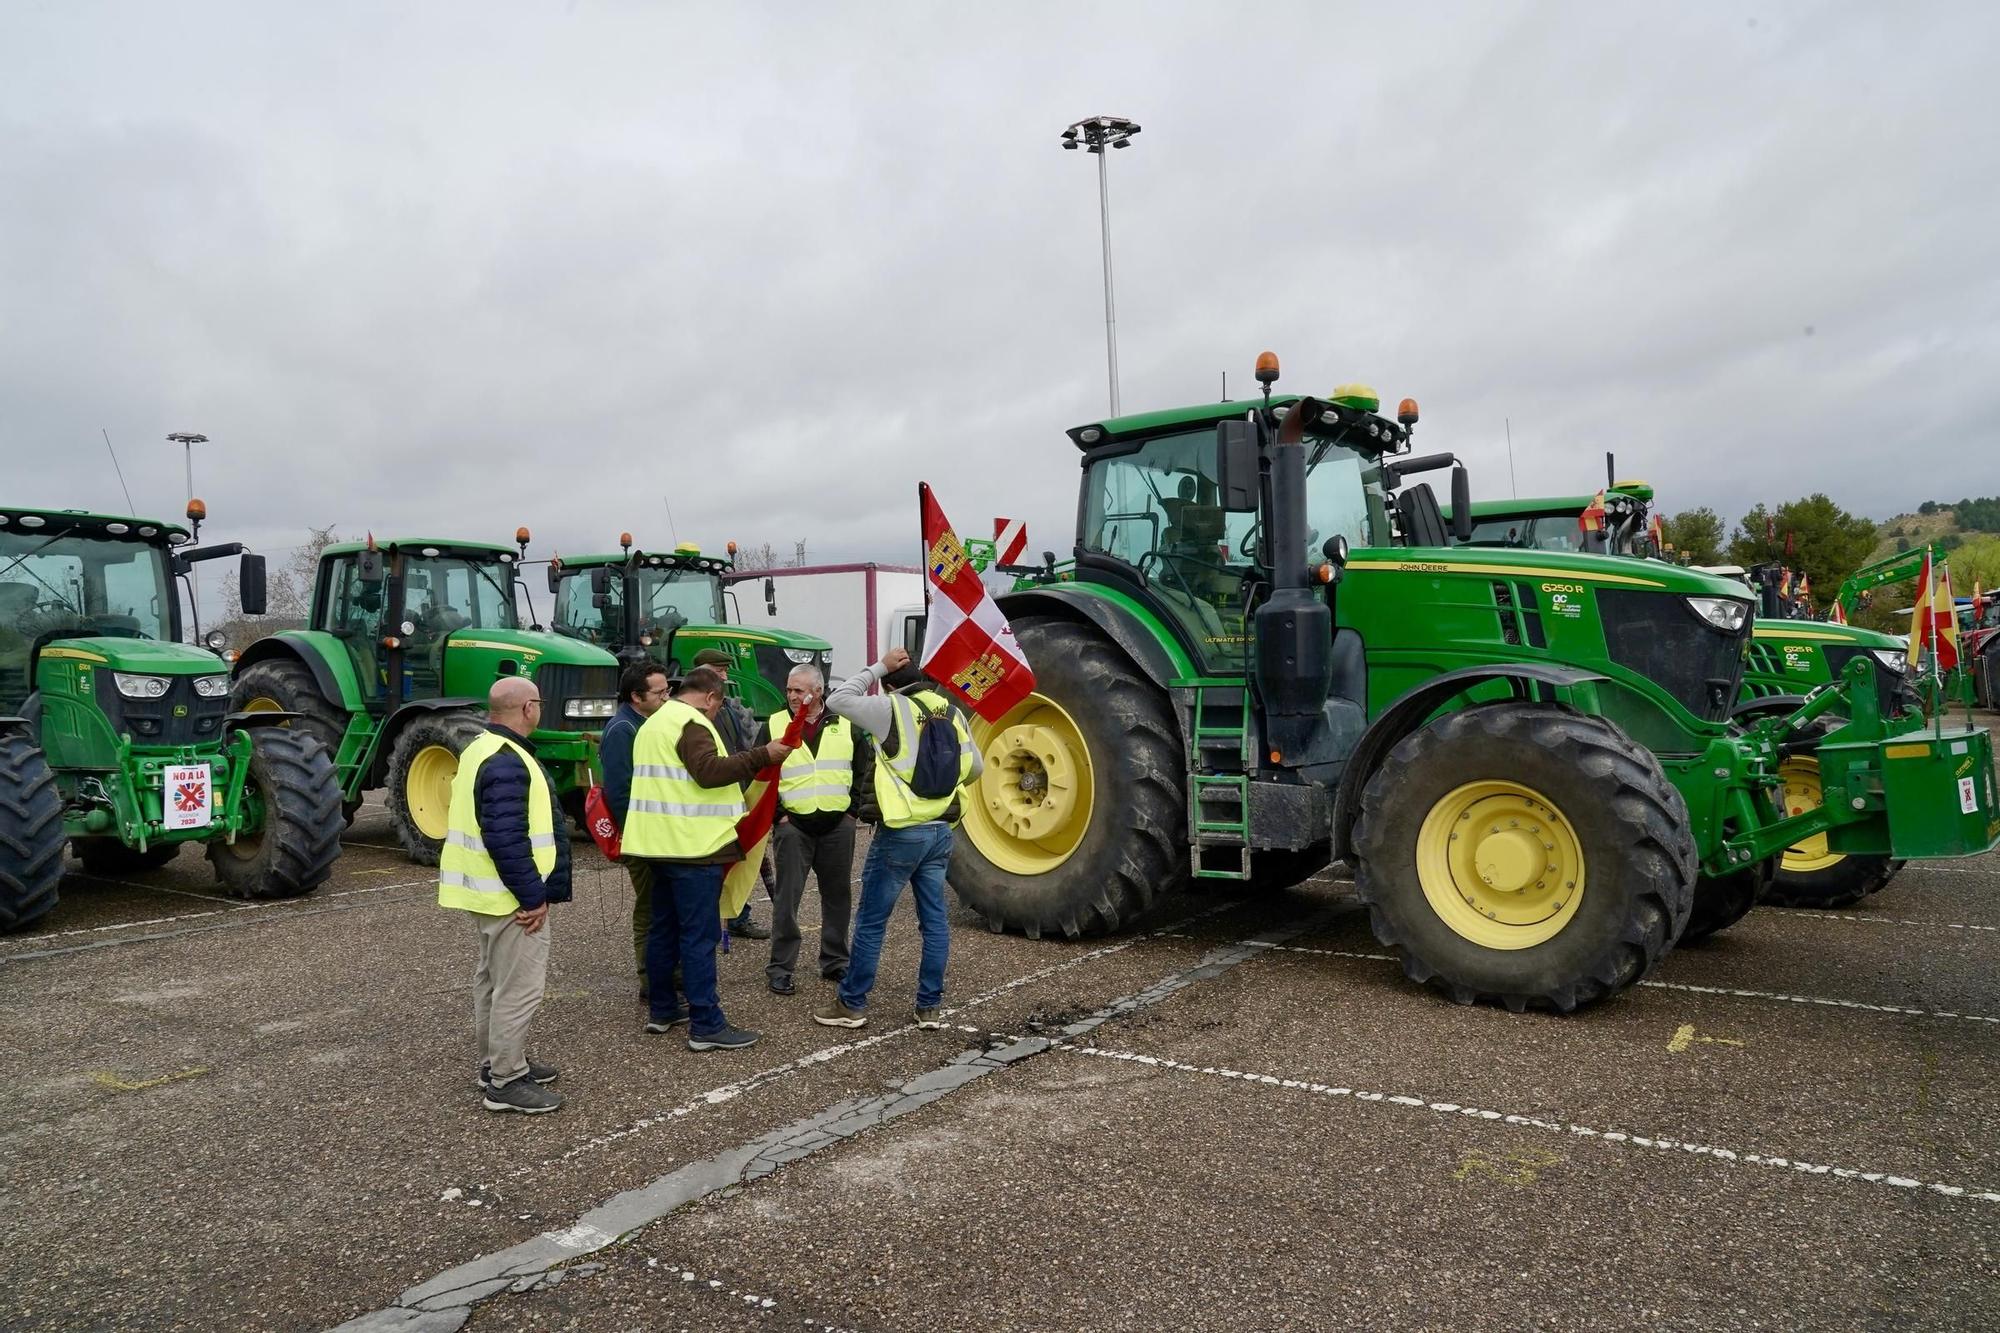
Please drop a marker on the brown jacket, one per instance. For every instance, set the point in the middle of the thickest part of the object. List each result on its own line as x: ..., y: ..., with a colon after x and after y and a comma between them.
x: 711, y: 769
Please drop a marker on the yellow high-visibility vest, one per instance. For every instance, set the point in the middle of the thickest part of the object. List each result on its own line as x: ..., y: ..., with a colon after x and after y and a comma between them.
x: 812, y: 782
x: 467, y: 878
x: 900, y: 806
x: 672, y: 817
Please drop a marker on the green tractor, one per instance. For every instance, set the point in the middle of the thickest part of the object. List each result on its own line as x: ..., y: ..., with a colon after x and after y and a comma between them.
x: 1788, y: 658
x: 1267, y: 654
x: 406, y: 638
x: 117, y: 738
x: 669, y: 606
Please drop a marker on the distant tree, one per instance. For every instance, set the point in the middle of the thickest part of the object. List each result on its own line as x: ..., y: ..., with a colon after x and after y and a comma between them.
x: 1928, y: 507
x: 1902, y: 545
x: 1827, y: 542
x: 1980, y: 515
x: 765, y: 556
x: 288, y: 589
x: 1697, y: 534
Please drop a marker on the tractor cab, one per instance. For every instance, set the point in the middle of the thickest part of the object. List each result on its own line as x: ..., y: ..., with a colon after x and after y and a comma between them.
x: 395, y: 606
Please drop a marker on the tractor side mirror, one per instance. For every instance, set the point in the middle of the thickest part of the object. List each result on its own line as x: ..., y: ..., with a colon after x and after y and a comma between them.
x: 555, y: 579
x: 1236, y: 466
x: 771, y: 598
x: 368, y: 567
x: 600, y: 582
x: 250, y: 584
x: 1461, y: 504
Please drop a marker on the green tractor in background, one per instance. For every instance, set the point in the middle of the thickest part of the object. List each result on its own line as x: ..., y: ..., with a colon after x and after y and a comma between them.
x: 669, y: 606
x: 406, y: 638
x: 117, y: 738
x: 1267, y: 654
x: 1787, y: 659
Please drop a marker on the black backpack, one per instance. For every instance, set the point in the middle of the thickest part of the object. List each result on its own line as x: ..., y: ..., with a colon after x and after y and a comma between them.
x: 936, y: 772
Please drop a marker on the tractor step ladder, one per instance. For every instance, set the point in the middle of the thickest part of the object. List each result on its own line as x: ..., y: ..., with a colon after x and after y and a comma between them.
x: 1219, y: 785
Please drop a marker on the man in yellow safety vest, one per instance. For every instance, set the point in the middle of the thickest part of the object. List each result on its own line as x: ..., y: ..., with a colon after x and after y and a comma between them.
x: 913, y: 844
x: 817, y: 796
x: 505, y: 859
x: 681, y: 821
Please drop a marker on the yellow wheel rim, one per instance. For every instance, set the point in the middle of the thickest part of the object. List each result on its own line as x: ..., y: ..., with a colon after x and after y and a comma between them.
x: 1802, y: 793
x: 264, y: 704
x: 1032, y: 805
x: 1500, y: 864
x: 428, y: 791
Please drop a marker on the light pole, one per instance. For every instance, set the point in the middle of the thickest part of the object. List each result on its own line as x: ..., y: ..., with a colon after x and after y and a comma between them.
x: 187, y: 440
x: 1093, y: 133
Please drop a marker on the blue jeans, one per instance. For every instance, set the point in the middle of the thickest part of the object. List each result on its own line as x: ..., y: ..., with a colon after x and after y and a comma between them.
x: 917, y: 856
x: 686, y: 927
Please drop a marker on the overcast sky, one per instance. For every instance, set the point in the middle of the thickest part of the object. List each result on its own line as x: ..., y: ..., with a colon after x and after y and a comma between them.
x: 451, y: 268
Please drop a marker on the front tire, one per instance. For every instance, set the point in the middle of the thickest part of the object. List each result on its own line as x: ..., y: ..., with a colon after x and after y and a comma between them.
x: 291, y: 850
x: 421, y: 767
x: 1722, y: 901
x: 31, y: 834
x: 1524, y: 854
x: 287, y: 685
x: 1080, y: 819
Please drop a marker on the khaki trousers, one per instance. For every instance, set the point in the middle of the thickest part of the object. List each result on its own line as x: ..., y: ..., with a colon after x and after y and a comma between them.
x: 507, y: 989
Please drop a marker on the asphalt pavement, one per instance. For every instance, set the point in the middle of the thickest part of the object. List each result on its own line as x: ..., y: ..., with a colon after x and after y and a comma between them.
x: 1239, y: 1116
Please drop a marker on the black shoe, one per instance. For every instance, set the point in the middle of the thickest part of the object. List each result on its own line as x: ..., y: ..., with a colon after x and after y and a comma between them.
x: 727, y: 1039
x: 540, y: 1073
x: 834, y: 977
x: 783, y: 987
x: 523, y: 1095
x: 676, y: 1019
x: 746, y: 928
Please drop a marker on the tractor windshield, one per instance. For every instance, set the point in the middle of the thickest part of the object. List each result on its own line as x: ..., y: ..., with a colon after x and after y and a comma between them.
x: 70, y: 584
x: 442, y: 593
x: 1541, y: 532
x: 695, y: 595
x: 1154, y: 506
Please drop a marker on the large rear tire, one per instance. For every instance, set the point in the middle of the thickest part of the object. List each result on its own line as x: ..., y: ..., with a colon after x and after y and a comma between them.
x: 287, y: 685
x: 31, y: 833
x: 1080, y: 819
x: 1524, y: 854
x: 1811, y: 874
x: 1721, y: 902
x: 421, y: 767
x: 291, y: 850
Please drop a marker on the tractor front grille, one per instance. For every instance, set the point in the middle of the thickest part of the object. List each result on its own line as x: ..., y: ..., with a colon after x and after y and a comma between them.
x: 562, y: 682
x: 1659, y: 636
x: 178, y: 717
x: 1892, y: 692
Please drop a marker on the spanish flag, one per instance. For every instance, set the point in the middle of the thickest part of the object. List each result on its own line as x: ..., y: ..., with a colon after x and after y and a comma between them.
x: 1944, y: 620
x: 753, y: 831
x: 1836, y: 616
x: 1920, y: 614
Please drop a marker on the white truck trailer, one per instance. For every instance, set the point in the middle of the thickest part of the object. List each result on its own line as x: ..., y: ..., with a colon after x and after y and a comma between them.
x: 863, y: 610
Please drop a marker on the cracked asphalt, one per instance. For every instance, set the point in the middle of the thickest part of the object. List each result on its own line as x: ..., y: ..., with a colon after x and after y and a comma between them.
x: 1238, y: 1117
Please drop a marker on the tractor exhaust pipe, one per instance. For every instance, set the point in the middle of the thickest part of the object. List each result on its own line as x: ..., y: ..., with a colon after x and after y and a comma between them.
x: 1292, y: 630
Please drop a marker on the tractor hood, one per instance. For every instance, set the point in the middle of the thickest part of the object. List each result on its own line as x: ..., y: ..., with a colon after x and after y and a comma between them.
x: 146, y: 657
x: 1824, y: 631
x: 535, y: 648
x: 779, y: 638
x: 1609, y: 570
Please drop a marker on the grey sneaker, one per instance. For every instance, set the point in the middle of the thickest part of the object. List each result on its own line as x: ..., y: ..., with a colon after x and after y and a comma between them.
x: 928, y: 1018
x: 677, y: 1019
x: 726, y: 1039
x: 834, y: 1014
x: 537, y: 1071
x: 523, y: 1095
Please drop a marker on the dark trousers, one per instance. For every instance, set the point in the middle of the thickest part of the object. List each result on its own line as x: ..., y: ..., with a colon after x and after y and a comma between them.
x: 830, y: 858
x: 686, y: 927
x: 641, y: 873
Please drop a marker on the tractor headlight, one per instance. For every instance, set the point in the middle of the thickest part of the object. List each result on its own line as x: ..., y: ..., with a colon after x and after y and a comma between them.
x: 212, y: 687
x: 1725, y: 613
x: 800, y: 656
x: 143, y: 687
x: 583, y: 708
x: 1893, y: 662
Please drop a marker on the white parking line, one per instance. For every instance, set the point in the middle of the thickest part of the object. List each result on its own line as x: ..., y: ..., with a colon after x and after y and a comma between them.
x: 1887, y: 921
x: 1733, y: 992
x: 1621, y: 1137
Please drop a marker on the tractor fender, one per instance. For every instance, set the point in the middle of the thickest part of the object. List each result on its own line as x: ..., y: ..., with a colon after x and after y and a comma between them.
x: 9, y: 725
x: 1409, y: 712
x: 403, y: 716
x: 324, y: 655
x: 1770, y: 703
x: 1060, y: 603
x: 265, y: 718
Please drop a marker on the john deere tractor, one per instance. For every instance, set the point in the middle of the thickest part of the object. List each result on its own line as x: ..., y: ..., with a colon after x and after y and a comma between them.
x: 669, y: 606
x: 406, y: 638
x: 1267, y: 654
x: 1789, y: 657
x: 117, y: 738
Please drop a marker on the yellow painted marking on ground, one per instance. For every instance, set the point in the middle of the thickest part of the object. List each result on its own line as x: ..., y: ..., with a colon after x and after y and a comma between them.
x: 106, y: 1078
x: 1515, y: 1168
x: 1684, y: 1037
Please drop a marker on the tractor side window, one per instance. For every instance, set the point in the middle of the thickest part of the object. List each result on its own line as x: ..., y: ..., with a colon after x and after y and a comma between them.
x: 354, y: 616
x: 1337, y: 501
x: 130, y: 594
x: 1500, y: 532
x: 1557, y: 532
x: 578, y: 616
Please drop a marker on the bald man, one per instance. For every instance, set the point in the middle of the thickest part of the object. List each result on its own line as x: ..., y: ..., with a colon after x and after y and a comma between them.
x: 505, y: 859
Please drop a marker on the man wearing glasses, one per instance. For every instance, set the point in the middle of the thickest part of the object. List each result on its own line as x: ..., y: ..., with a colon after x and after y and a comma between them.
x: 642, y: 689
x: 505, y: 859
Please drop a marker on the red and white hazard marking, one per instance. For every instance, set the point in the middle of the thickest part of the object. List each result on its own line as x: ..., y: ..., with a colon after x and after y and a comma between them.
x: 1010, y: 540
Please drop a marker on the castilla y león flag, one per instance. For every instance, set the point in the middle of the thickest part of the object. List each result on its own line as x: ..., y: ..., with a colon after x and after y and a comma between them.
x: 753, y: 830
x: 968, y: 645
